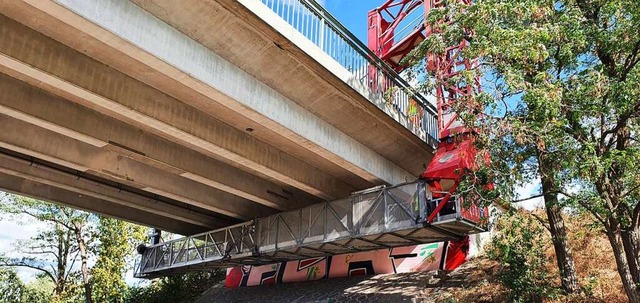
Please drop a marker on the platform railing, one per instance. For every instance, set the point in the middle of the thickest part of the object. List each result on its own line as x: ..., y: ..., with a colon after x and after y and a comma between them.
x: 458, y: 209
x: 380, y: 217
x: 446, y: 213
x: 225, y: 243
x: 374, y: 212
x: 320, y: 27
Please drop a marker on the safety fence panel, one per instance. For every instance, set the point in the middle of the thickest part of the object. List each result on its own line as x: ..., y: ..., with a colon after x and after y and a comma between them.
x: 224, y: 243
x: 315, y: 23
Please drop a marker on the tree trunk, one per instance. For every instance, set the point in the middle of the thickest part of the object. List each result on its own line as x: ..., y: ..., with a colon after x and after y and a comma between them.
x: 85, y: 273
x: 558, y: 230
x: 84, y: 268
x: 62, y: 255
x: 630, y: 287
x: 630, y: 244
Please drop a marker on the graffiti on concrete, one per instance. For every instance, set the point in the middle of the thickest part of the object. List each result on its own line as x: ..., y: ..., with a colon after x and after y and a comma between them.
x: 424, y: 257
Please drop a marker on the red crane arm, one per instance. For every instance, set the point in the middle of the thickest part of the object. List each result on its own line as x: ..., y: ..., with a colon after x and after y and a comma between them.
x: 383, y: 23
x: 392, y: 47
x: 456, y: 153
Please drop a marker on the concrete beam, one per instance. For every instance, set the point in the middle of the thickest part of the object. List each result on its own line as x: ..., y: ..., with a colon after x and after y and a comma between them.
x: 24, y: 187
x: 117, y: 199
x: 126, y: 32
x: 35, y: 141
x: 26, y: 103
x: 253, y: 37
x: 76, y: 77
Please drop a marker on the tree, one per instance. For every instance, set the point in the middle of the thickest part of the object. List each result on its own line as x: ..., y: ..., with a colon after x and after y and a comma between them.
x: 11, y: 288
x: 117, y: 242
x: 39, y: 291
x: 518, y: 245
x: 62, y: 251
x: 54, y: 251
x: 74, y: 237
x: 561, y: 86
x: 83, y: 234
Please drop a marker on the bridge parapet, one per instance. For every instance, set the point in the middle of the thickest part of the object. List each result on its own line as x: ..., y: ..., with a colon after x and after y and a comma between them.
x: 382, y: 83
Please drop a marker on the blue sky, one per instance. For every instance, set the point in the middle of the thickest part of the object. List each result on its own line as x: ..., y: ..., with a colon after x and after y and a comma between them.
x: 353, y: 14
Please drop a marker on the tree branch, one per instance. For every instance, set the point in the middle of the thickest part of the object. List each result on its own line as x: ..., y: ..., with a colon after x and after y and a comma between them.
x: 54, y: 220
x: 623, y: 119
x: 23, y: 264
x: 42, y: 252
x: 527, y: 199
x: 631, y: 60
x: 636, y: 216
x: 542, y: 222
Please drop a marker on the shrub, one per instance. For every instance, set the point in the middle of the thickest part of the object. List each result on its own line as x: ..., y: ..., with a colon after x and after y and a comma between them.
x: 176, y: 289
x: 519, y: 247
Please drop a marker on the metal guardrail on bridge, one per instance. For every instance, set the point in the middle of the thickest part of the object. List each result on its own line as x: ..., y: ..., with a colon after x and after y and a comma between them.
x: 320, y: 27
x: 379, y: 218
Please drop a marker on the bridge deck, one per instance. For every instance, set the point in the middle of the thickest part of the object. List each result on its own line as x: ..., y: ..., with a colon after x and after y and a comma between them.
x: 214, y: 114
x: 382, y: 217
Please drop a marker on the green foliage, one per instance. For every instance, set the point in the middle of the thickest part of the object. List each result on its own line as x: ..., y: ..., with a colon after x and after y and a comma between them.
x: 11, y: 288
x: 111, y: 241
x: 519, y: 248
x: 40, y: 291
x: 117, y: 241
x: 55, y: 250
x: 560, y: 89
x: 558, y: 76
x: 176, y: 289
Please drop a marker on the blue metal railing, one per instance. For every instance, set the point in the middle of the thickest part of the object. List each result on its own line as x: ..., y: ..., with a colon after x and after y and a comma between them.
x: 320, y: 27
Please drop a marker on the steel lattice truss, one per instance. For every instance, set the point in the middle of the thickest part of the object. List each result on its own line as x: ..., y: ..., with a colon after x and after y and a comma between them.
x: 378, y: 218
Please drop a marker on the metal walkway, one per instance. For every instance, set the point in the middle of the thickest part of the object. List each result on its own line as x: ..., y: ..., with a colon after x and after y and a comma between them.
x: 378, y: 218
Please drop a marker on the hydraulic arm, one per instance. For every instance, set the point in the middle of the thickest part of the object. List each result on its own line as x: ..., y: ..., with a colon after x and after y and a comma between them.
x: 394, y: 30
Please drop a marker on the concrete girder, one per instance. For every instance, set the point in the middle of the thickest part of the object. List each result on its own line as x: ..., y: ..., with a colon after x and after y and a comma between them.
x: 11, y: 166
x: 197, y: 76
x: 253, y: 37
x: 47, y: 64
x: 34, y: 141
x: 26, y: 103
x: 64, y: 197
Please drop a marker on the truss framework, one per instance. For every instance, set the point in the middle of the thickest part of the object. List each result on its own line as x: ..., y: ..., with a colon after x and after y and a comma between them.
x: 381, y: 217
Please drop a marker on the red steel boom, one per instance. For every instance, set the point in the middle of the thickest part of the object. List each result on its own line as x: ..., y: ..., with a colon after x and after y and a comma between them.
x: 394, y: 30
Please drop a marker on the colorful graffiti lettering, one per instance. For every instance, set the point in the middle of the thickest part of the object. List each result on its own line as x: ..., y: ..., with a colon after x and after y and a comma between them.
x: 424, y: 257
x: 312, y: 273
x: 427, y: 251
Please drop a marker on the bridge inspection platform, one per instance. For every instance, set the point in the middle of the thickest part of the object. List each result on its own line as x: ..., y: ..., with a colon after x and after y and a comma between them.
x: 382, y: 217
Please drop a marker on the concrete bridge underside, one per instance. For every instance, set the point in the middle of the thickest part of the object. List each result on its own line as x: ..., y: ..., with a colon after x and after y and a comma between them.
x: 183, y: 115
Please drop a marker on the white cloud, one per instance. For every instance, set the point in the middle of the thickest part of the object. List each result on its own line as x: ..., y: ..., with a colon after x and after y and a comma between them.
x: 13, y: 229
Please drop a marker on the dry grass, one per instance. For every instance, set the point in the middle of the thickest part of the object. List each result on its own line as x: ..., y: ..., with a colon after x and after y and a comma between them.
x: 595, y: 263
x: 477, y: 281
